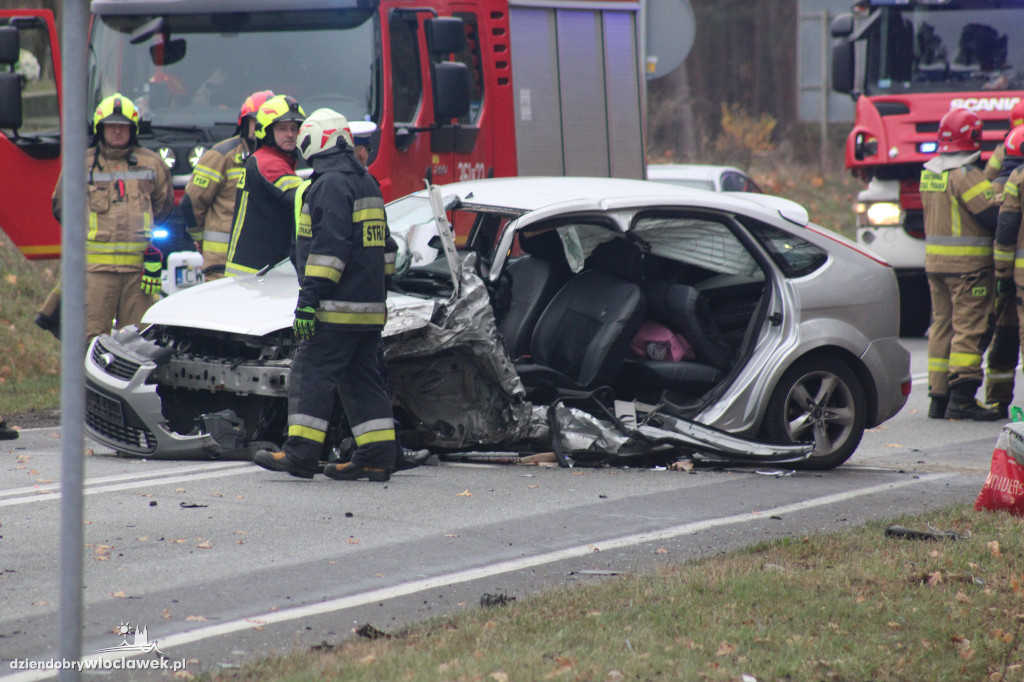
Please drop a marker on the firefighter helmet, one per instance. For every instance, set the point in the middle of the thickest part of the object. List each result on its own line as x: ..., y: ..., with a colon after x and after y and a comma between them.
x: 116, y: 109
x: 1014, y: 142
x: 1017, y: 114
x: 960, y: 131
x: 253, y: 103
x: 277, y: 108
x: 322, y: 131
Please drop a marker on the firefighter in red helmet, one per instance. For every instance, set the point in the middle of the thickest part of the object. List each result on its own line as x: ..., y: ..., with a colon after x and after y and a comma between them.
x: 1009, y: 244
x: 960, y: 210
x: 129, y: 191
x: 1000, y: 165
x: 209, y: 202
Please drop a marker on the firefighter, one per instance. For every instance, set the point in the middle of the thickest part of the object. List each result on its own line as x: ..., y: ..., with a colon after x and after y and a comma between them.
x: 6, y: 432
x: 1005, y: 349
x: 960, y: 209
x: 1009, y: 243
x: 209, y: 202
x: 997, y: 169
x: 129, y: 191
x: 340, y: 312
x: 263, y: 221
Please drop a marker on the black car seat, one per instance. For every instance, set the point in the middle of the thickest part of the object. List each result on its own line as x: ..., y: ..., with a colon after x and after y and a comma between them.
x: 535, y: 281
x: 582, y: 336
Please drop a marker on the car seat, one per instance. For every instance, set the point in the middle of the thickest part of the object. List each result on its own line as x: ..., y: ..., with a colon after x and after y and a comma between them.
x: 581, y: 338
x: 535, y: 281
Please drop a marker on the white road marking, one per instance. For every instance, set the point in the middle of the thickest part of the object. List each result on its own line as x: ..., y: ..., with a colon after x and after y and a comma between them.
x: 54, y: 494
x: 126, y: 477
x: 405, y: 589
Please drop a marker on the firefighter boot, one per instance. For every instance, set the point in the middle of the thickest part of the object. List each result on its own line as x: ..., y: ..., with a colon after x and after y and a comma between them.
x: 353, y: 472
x: 937, y: 408
x: 962, y: 405
x: 279, y: 461
x: 48, y: 317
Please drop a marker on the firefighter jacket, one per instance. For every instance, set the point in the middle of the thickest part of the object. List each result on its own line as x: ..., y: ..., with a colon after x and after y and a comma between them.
x: 1009, y: 248
x: 340, y: 255
x: 994, y: 165
x: 263, y: 223
x: 129, y: 190
x: 209, y: 202
x: 960, y: 209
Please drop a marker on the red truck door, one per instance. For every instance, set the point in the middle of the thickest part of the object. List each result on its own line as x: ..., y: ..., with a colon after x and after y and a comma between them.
x: 30, y: 155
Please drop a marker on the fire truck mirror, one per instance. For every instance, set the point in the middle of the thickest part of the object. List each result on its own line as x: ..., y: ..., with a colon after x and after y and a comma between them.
x: 452, y: 85
x: 843, y: 67
x: 445, y: 35
x: 9, y: 45
x: 842, y: 26
x: 170, y: 52
x: 10, y: 101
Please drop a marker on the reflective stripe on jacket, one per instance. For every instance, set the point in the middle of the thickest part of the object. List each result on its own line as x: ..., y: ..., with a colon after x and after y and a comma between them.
x: 955, y: 240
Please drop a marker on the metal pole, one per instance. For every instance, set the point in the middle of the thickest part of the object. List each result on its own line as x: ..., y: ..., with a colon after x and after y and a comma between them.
x: 823, y: 140
x: 74, y: 34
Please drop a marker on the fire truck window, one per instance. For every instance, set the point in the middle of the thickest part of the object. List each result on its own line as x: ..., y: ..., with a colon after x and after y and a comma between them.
x: 38, y: 86
x: 406, y: 78
x: 471, y: 58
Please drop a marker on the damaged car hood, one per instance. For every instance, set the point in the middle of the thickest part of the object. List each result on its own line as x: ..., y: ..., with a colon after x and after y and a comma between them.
x: 260, y: 305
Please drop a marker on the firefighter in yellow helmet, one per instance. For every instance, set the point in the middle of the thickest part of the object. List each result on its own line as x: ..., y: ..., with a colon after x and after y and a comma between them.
x: 129, y: 191
x: 263, y: 225
x: 960, y: 209
x: 209, y: 202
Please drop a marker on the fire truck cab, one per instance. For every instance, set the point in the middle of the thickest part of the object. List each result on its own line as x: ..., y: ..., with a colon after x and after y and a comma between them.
x: 907, y: 63
x: 459, y: 89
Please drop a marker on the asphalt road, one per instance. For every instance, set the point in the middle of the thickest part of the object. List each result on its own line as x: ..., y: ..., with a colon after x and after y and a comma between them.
x: 222, y: 562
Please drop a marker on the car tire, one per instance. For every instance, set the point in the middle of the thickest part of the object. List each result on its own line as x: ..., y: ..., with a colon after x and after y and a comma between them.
x: 820, y: 398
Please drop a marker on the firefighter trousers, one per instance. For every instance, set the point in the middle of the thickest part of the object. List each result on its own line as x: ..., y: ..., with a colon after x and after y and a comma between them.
x: 113, y: 299
x: 1001, y: 361
x: 961, y: 306
x: 346, y: 361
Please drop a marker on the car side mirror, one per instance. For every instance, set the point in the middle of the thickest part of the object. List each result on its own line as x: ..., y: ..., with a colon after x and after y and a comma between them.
x: 10, y: 101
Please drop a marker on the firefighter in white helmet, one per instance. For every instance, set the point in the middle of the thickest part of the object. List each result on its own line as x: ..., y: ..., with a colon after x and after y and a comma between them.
x: 960, y: 210
x: 341, y: 310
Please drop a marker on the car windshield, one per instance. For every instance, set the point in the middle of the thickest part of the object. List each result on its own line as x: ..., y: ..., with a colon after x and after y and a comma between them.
x: 197, y: 69
x: 941, y: 49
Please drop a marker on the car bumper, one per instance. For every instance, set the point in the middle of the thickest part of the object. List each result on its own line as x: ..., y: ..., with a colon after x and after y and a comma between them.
x: 123, y: 411
x: 889, y: 363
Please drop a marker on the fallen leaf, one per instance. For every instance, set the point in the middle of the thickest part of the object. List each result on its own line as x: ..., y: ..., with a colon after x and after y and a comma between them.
x: 180, y: 490
x: 934, y: 578
x: 216, y: 494
x: 994, y: 549
x: 102, y: 557
x: 817, y: 181
x: 681, y: 465
x: 40, y: 603
x: 962, y: 598
x: 464, y: 493
x: 11, y: 278
x: 196, y: 619
x: 143, y: 538
x: 240, y: 532
x: 165, y: 613
x: 499, y: 676
x: 205, y: 545
x: 451, y: 535
x: 89, y: 452
x: 661, y: 550
x: 893, y: 625
x: 178, y: 541
x: 119, y: 594
x: 893, y: 445
x: 23, y: 458
x: 368, y: 659
x: 353, y: 541
x: 725, y: 649
x: 531, y: 487
x: 183, y: 675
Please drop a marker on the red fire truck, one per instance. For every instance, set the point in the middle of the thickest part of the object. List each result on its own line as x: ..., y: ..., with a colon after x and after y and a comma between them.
x: 907, y: 62
x: 459, y: 89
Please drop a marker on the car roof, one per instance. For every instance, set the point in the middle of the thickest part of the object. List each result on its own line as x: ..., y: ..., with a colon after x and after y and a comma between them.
x: 544, y: 195
x: 689, y: 171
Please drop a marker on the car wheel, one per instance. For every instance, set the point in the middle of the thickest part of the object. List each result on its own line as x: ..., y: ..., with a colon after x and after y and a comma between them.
x: 818, y: 399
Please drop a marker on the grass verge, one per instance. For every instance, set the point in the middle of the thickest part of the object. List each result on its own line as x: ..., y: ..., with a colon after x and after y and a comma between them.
x: 29, y: 356
x: 854, y: 605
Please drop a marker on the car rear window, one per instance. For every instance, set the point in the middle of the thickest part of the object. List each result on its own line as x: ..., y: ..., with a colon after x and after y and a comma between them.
x: 794, y: 255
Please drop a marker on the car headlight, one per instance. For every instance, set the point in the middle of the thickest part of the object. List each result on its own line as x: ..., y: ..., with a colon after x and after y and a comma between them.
x: 879, y: 213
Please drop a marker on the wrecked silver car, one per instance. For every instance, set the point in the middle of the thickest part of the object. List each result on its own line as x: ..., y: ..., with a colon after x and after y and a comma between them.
x: 597, y: 318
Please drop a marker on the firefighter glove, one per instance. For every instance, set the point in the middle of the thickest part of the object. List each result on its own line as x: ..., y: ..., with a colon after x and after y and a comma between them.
x: 304, y: 325
x: 1005, y: 287
x: 152, y: 261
